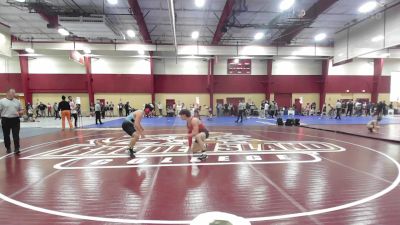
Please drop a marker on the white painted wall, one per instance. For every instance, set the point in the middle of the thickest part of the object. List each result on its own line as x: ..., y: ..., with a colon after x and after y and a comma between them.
x: 221, y: 67
x: 296, y: 67
x: 55, y: 65
x: 181, y: 66
x: 9, y: 64
x: 360, y: 67
x: 120, y: 65
x: 258, y: 67
x: 390, y: 65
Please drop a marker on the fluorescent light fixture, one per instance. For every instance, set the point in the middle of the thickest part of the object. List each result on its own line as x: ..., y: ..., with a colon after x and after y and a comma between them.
x: 63, y: 32
x: 385, y: 55
x: 199, y: 3
x: 367, y: 7
x: 341, y: 54
x: 30, y: 50
x: 195, y: 35
x: 2, y: 38
x: 286, y: 4
x: 295, y: 53
x: 378, y: 38
x: 320, y: 37
x: 292, y: 57
x: 87, y: 50
x: 141, y: 52
x: 20, y: 0
x: 131, y: 33
x: 259, y: 36
x: 236, y: 61
x: 112, y: 2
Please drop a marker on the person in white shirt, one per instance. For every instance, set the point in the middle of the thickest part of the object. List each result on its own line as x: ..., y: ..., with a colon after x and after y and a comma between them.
x: 10, y: 111
x: 266, y: 108
x: 241, y: 108
x: 178, y: 108
x: 338, y: 109
x: 160, y: 108
x: 74, y: 112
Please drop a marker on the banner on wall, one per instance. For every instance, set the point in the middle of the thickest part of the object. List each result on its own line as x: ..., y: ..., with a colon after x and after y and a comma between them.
x: 78, y: 100
x: 198, y: 100
x: 5, y: 41
x: 77, y: 57
x: 394, y: 87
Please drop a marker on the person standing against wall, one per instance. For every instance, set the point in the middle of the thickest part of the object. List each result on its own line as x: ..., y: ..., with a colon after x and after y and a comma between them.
x: 65, y: 110
x: 56, y: 111
x: 338, y: 109
x: 241, y: 108
x: 120, y: 108
x: 97, y: 111
x: 74, y: 112
x: 160, y: 108
x: 127, y: 109
x: 10, y: 111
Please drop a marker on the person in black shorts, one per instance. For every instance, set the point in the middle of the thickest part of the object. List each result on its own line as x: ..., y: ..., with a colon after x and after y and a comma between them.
x: 133, y: 127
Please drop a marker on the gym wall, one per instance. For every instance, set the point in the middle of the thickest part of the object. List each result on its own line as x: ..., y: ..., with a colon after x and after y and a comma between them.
x: 188, y: 99
x: 56, y: 97
x: 136, y: 100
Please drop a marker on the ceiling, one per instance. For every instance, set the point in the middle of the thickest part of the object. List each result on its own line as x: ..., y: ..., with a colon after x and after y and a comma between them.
x: 29, y: 20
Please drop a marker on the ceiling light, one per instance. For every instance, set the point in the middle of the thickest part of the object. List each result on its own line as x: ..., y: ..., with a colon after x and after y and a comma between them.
x: 131, y: 33
x: 195, y: 34
x: 30, y: 50
x: 63, y: 32
x: 2, y: 38
x: 112, y: 2
x: 384, y: 55
x: 320, y: 37
x: 87, y: 50
x: 236, y: 61
x: 141, y: 52
x: 292, y: 57
x: 347, y: 91
x: 286, y: 4
x: 199, y: 3
x: 20, y: 0
x: 378, y: 38
x: 367, y: 7
x: 259, y: 36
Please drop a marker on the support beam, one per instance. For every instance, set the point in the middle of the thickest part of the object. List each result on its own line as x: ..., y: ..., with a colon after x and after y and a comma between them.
x: 324, y: 76
x: 152, y: 79
x: 378, y: 67
x: 226, y: 13
x: 89, y: 79
x: 311, y: 14
x: 268, y: 79
x: 23, y: 62
x: 138, y: 15
x: 210, y: 82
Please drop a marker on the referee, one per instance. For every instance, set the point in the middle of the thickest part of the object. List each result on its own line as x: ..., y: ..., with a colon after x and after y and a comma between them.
x: 10, y: 111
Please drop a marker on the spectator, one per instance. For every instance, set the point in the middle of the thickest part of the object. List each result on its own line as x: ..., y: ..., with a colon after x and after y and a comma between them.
x: 160, y: 108
x: 338, y: 109
x: 74, y: 112
x: 65, y: 109
x: 97, y: 110
x: 120, y: 108
x: 49, y: 114
x: 56, y: 111
x: 127, y: 107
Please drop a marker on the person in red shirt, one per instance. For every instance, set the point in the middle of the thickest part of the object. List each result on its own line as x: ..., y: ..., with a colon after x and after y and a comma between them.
x: 198, y: 131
